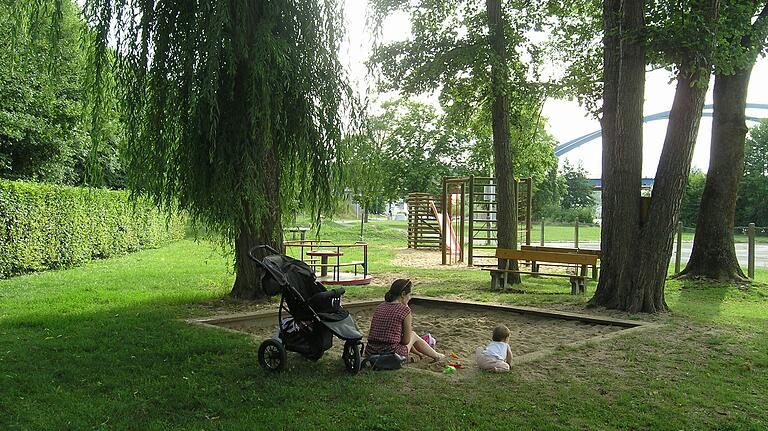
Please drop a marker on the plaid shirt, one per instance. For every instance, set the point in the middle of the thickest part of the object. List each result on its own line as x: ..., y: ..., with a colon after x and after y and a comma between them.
x: 387, y: 329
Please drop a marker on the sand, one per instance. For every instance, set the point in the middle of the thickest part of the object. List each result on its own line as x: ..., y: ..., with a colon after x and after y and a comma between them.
x: 462, y: 331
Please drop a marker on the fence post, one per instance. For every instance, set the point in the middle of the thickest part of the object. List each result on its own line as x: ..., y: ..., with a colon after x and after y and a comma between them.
x: 541, y: 240
x: 576, y: 235
x: 751, y: 251
x: 679, y: 247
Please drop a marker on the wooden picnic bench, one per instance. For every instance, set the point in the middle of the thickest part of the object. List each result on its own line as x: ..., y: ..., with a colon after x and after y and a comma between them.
x: 581, y: 261
x: 535, y: 266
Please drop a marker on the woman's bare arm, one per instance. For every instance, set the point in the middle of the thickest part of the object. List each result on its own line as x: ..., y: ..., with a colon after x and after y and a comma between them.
x: 407, y: 330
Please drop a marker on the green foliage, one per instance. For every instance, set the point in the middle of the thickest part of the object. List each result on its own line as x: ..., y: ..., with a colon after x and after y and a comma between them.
x: 675, y: 30
x: 449, y: 52
x: 689, y: 208
x: 578, y: 190
x: 753, y: 190
x: 46, y: 226
x: 45, y: 122
x: 233, y: 108
x: 547, y: 192
x: 576, y: 45
x: 569, y: 215
x: 418, y: 148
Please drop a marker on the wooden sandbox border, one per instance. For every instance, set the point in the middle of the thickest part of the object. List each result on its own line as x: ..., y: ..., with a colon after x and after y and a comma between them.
x: 262, y: 319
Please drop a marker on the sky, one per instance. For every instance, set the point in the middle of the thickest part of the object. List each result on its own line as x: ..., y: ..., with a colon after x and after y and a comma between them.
x: 566, y: 119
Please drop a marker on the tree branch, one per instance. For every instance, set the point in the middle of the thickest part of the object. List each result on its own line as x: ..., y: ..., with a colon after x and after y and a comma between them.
x: 762, y: 19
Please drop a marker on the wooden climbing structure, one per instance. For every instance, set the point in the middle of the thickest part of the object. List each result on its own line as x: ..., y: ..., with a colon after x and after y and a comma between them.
x: 469, y: 220
x: 483, y: 232
x: 423, y: 227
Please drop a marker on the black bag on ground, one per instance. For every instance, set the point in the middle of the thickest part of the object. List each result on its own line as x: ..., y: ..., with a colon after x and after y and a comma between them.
x: 384, y: 361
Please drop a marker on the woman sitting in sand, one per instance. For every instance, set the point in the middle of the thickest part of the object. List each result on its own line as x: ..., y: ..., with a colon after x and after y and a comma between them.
x: 392, y: 326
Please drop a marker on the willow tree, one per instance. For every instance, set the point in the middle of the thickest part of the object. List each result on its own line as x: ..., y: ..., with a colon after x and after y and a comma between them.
x: 232, y: 107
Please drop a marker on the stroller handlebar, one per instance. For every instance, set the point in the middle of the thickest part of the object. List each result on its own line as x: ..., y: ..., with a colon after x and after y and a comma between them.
x: 264, y: 246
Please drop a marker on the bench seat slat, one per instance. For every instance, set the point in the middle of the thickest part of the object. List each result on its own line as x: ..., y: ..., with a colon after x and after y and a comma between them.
x: 543, y: 256
x: 534, y: 273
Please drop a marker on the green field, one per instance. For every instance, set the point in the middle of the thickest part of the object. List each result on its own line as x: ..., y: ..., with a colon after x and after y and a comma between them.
x: 102, y: 347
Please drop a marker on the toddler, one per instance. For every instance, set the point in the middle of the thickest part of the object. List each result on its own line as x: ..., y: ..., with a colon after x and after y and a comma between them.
x: 497, y: 355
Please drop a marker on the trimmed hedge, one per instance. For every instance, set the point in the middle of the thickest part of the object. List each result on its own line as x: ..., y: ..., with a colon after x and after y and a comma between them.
x: 45, y: 226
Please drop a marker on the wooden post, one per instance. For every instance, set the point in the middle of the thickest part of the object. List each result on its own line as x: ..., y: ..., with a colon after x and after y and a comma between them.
x: 528, y: 221
x: 516, y: 217
x: 679, y: 247
x: 541, y: 240
x: 576, y: 235
x: 471, y: 219
x: 444, y: 230
x: 751, y: 251
x: 461, y: 223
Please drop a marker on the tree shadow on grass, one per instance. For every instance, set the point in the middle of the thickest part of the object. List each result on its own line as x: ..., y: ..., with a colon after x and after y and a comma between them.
x: 139, y: 367
x: 701, y: 298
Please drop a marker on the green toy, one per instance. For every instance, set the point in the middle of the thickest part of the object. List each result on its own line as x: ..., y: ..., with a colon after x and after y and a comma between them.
x: 449, y: 369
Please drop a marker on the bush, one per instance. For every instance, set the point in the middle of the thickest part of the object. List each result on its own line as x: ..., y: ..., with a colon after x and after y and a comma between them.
x: 44, y: 226
x: 569, y: 215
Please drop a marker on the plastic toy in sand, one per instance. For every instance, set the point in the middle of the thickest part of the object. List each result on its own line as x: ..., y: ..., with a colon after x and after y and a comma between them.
x: 449, y: 369
x: 430, y: 340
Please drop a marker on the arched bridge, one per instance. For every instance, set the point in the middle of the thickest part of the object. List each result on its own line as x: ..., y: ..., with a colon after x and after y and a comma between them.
x: 575, y: 143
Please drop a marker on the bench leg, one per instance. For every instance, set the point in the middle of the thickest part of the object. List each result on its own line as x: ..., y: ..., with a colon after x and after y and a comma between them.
x: 494, y: 280
x: 574, y: 286
x: 582, y: 286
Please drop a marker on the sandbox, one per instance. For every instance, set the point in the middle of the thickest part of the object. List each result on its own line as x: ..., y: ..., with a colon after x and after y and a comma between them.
x: 463, y: 326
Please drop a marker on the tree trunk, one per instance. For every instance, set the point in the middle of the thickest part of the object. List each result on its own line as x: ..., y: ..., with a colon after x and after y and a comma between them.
x: 633, y: 276
x: 268, y: 232
x: 622, y: 124
x: 714, y: 253
x: 655, y: 245
x: 506, y: 200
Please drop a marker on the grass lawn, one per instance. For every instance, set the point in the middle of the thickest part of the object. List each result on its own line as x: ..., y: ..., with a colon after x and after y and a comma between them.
x: 102, y: 347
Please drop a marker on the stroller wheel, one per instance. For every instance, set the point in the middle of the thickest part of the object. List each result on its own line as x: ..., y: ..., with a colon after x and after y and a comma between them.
x: 272, y: 355
x: 352, y: 356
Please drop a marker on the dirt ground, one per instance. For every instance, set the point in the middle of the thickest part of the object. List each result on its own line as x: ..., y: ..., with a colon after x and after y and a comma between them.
x: 462, y: 331
x: 425, y: 259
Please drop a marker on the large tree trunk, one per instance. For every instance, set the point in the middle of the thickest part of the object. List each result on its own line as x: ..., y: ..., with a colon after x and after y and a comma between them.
x: 655, y: 245
x: 622, y: 124
x: 636, y: 257
x: 714, y: 253
x: 268, y: 232
x: 506, y: 200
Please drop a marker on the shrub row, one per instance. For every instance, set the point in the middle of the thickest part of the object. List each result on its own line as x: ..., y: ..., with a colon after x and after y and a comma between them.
x: 569, y: 215
x: 45, y: 226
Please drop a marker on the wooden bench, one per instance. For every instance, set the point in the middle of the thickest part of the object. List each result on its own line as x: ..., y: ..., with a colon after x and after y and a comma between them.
x: 581, y: 261
x: 535, y: 266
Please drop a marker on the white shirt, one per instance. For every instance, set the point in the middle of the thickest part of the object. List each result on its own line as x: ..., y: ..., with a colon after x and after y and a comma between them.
x: 497, y: 349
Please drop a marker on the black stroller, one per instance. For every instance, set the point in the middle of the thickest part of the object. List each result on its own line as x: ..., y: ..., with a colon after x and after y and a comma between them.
x: 315, y: 314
